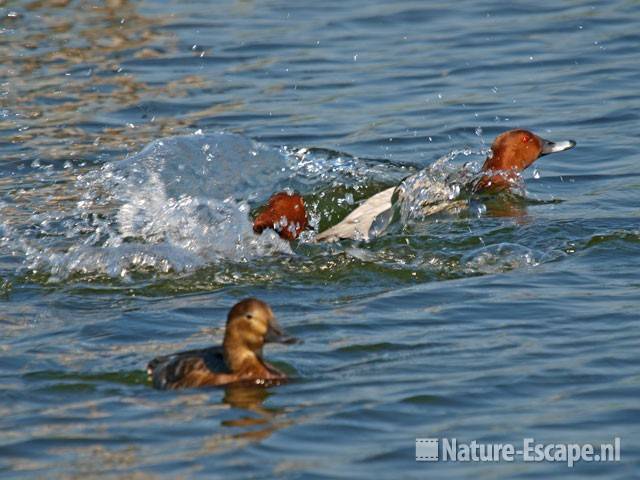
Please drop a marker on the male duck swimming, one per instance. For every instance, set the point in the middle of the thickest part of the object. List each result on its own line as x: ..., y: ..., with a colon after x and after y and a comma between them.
x: 511, y: 153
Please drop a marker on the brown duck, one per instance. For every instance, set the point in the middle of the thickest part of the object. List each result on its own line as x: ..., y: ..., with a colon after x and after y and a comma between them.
x: 250, y: 324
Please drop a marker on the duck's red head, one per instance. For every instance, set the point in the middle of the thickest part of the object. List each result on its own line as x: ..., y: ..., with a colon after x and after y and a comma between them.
x: 514, y: 151
x: 284, y: 213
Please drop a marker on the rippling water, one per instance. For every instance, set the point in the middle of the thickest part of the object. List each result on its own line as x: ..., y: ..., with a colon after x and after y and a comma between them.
x: 136, y: 141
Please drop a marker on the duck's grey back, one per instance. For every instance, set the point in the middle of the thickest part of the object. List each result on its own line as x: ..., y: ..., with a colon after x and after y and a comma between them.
x: 166, y: 371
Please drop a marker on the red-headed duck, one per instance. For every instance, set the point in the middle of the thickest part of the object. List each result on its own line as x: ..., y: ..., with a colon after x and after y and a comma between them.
x: 512, y: 152
x: 250, y: 324
x: 285, y: 213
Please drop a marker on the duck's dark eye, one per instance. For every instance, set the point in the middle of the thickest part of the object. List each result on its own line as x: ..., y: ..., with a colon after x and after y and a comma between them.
x: 249, y: 315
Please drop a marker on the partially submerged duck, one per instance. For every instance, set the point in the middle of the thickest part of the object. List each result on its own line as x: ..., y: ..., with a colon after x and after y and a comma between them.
x: 512, y: 152
x: 250, y: 324
x: 285, y: 213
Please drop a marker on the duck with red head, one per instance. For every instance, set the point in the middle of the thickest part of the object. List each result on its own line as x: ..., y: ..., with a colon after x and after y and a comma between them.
x: 513, y: 152
x: 285, y: 213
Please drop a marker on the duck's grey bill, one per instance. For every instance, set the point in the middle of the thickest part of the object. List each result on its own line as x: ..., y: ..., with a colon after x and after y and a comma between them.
x: 553, y: 147
x: 275, y: 334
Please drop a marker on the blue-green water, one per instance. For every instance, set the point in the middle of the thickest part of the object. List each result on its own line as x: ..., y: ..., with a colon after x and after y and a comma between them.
x: 469, y: 325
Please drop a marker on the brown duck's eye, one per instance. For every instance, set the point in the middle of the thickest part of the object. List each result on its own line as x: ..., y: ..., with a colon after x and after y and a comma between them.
x: 525, y: 138
x: 249, y: 315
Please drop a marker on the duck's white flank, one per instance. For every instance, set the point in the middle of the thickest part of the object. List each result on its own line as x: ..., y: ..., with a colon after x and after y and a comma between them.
x: 358, y: 223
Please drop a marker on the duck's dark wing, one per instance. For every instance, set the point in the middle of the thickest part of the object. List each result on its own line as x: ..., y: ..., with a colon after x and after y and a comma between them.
x: 173, y: 371
x: 153, y: 364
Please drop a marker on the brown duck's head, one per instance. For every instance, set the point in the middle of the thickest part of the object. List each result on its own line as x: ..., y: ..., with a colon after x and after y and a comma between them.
x: 518, y: 149
x: 251, y: 324
x: 513, y: 152
x: 285, y: 213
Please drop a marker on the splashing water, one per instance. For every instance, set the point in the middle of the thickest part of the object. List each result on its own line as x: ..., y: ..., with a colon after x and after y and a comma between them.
x: 441, y: 182
x: 180, y: 204
x: 177, y: 205
x: 500, y: 258
x: 184, y: 203
x: 434, y: 189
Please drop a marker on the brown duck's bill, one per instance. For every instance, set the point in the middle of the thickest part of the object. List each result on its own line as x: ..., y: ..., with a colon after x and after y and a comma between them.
x: 553, y: 147
x: 275, y: 334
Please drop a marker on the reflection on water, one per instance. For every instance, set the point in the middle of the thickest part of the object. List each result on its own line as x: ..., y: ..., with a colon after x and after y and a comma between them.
x: 247, y: 420
x: 259, y: 421
x: 251, y: 421
x: 72, y: 83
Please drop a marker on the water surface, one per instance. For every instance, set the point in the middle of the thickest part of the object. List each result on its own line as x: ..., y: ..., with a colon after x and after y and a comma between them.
x: 137, y: 138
